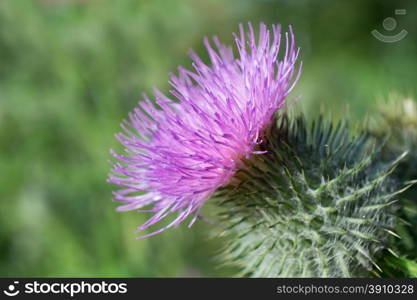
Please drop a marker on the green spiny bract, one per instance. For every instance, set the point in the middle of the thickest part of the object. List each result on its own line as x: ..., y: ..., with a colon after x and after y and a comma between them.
x: 318, y: 203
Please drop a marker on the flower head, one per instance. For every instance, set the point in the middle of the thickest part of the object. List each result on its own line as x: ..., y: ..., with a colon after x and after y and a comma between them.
x: 179, y: 153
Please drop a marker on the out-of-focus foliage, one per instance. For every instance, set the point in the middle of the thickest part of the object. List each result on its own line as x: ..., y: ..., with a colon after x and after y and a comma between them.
x: 396, y: 122
x: 71, y: 70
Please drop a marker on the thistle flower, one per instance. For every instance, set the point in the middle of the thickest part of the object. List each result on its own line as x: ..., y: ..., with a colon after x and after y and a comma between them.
x: 320, y: 203
x: 178, y: 154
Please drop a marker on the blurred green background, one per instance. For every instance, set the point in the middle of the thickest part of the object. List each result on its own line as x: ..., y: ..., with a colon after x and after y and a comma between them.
x: 70, y: 71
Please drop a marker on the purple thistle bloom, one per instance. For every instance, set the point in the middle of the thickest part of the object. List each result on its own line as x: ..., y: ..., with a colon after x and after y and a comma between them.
x: 178, y: 155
